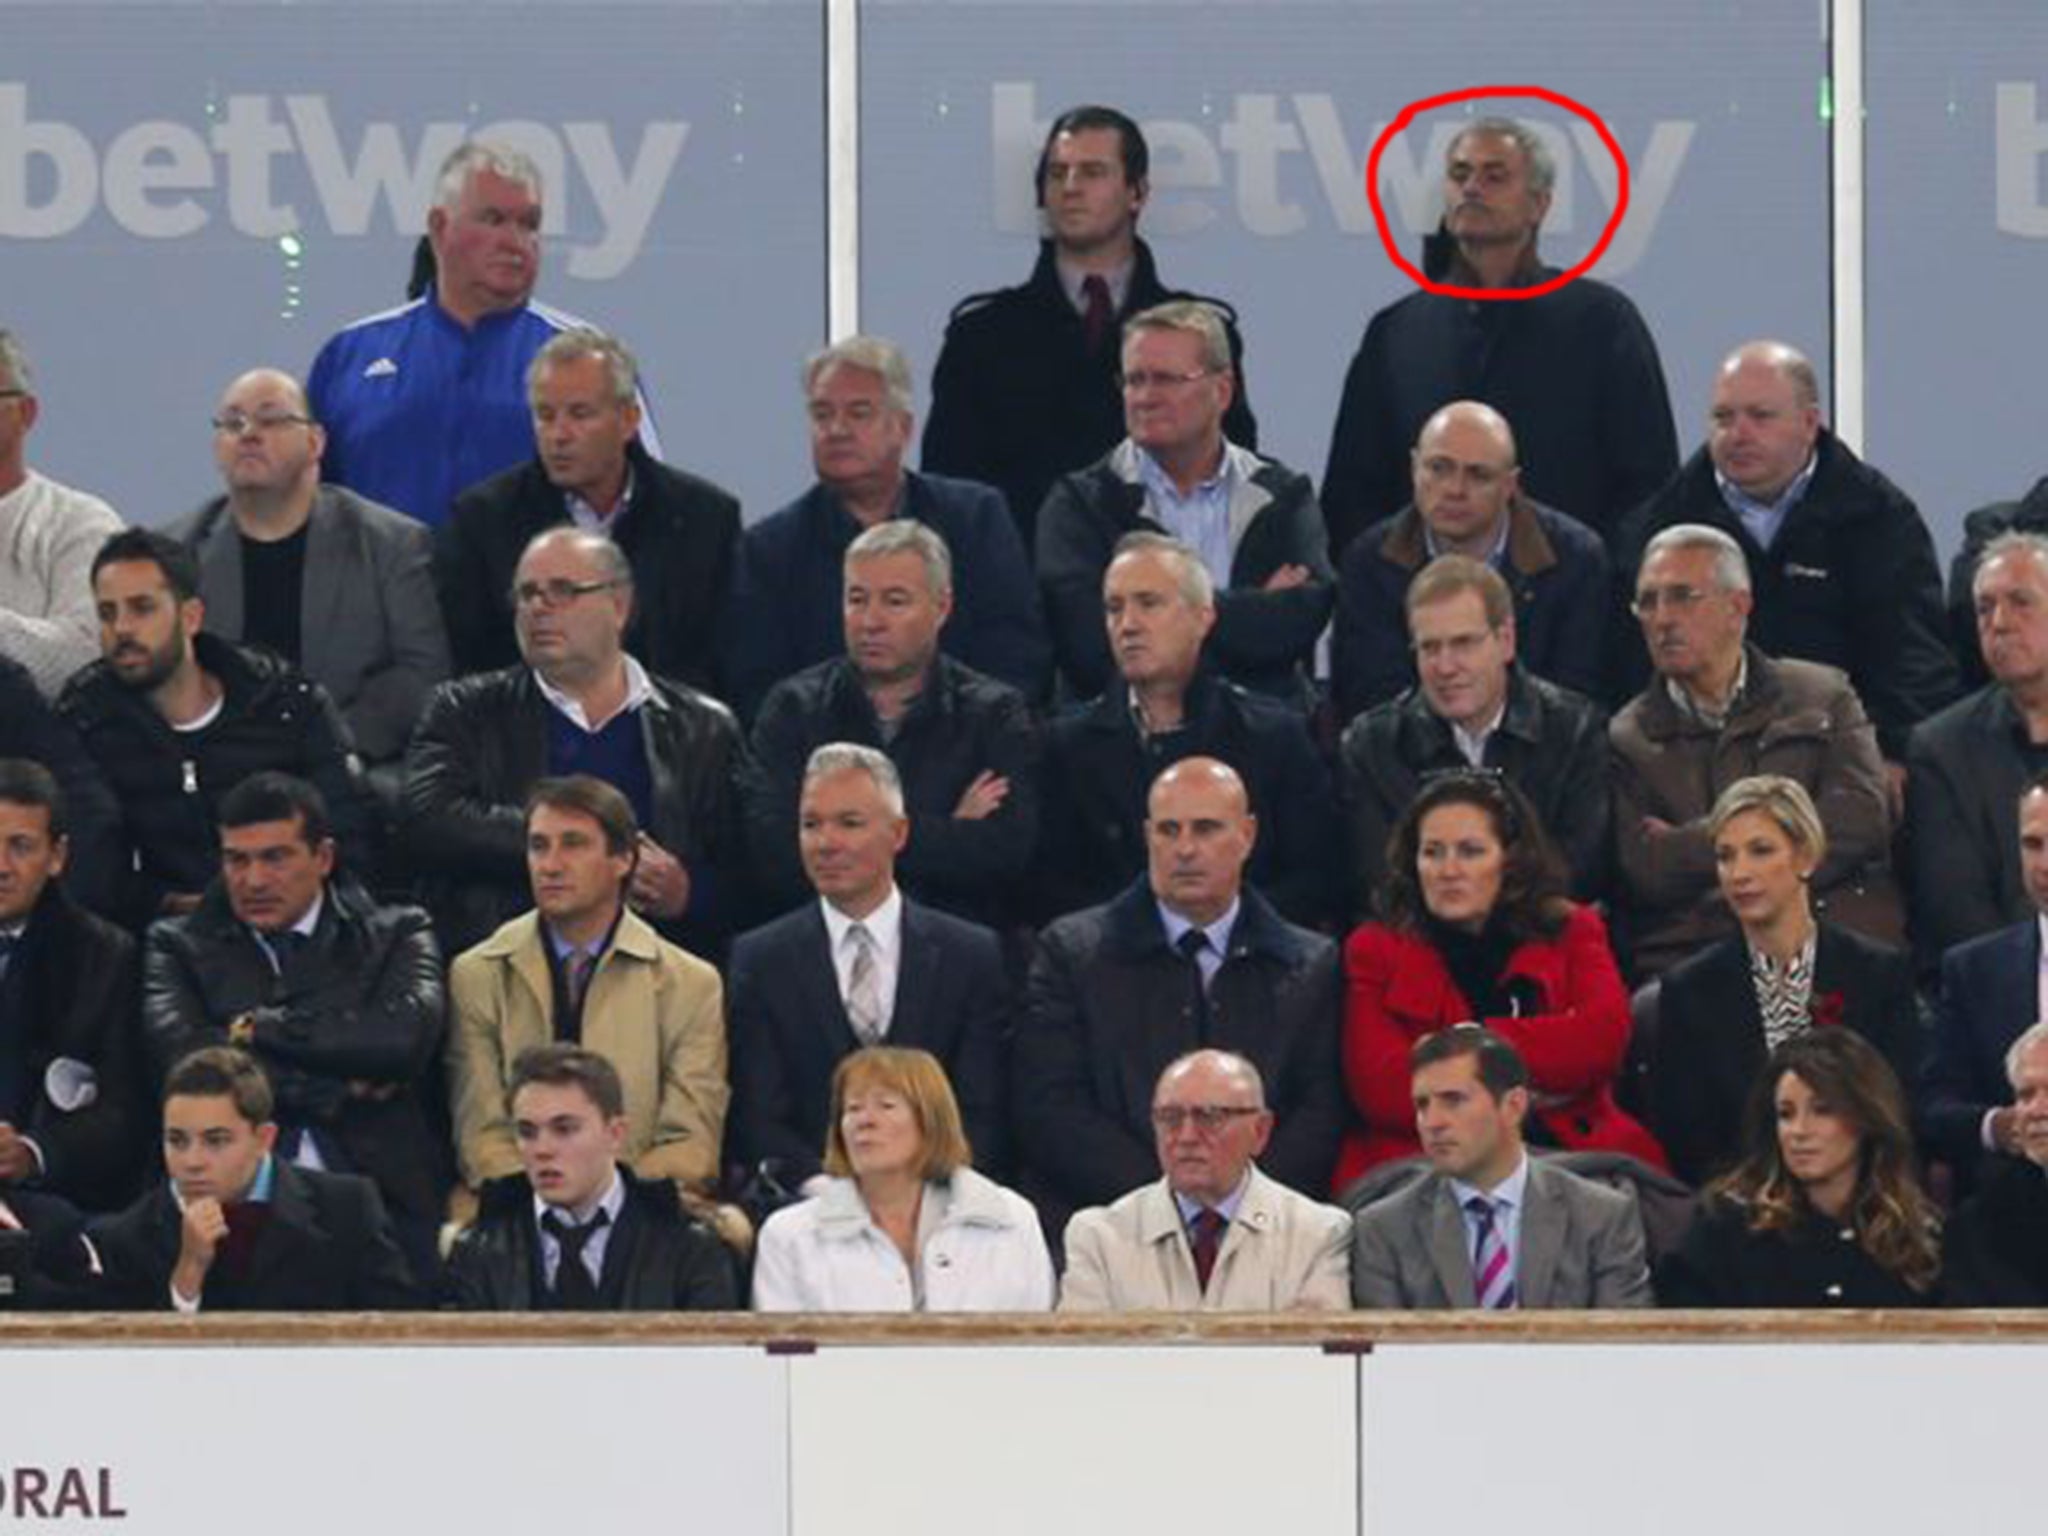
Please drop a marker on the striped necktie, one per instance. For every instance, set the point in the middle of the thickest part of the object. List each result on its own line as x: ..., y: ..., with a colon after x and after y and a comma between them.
x: 1493, y: 1280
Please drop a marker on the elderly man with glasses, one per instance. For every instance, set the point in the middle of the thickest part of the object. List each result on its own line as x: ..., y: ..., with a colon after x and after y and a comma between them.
x: 1717, y: 710
x: 577, y: 703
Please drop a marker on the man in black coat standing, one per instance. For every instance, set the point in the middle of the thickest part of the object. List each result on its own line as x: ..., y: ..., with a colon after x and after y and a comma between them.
x: 1026, y: 384
x: 679, y: 532
x: 577, y: 1231
x: 1187, y: 958
x: 1575, y: 370
x: 72, y: 1099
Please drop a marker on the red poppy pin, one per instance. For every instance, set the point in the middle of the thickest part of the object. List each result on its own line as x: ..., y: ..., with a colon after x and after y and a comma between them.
x: 1827, y: 1009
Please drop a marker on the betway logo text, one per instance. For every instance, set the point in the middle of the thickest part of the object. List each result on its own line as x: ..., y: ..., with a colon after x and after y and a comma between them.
x: 1243, y: 156
x: 166, y: 180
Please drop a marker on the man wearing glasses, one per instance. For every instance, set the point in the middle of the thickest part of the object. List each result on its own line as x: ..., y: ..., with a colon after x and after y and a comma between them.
x: 48, y: 533
x: 1717, y: 710
x: 336, y: 585
x: 1185, y: 957
x: 1254, y: 521
x: 1214, y: 1234
x: 577, y: 703
x: 1469, y: 501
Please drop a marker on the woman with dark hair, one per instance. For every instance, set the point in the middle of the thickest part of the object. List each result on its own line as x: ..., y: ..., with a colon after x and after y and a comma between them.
x: 1478, y: 929
x: 1825, y: 1209
x: 1720, y: 1012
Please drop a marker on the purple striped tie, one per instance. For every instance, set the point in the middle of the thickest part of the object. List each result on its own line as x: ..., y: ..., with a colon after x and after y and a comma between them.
x: 1492, y: 1281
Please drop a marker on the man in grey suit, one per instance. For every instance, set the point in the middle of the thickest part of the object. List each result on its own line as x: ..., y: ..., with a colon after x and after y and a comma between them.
x: 339, y: 586
x: 1488, y: 1226
x: 1215, y: 1234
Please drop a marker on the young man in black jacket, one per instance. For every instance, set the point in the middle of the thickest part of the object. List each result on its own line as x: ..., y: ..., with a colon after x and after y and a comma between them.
x: 577, y: 1231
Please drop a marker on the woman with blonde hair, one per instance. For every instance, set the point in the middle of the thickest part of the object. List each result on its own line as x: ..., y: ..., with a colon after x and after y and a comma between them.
x: 1788, y: 970
x: 903, y: 1224
x: 1825, y: 1208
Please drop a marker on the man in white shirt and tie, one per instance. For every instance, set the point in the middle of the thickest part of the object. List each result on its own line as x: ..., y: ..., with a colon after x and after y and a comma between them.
x: 1487, y: 1226
x: 860, y: 965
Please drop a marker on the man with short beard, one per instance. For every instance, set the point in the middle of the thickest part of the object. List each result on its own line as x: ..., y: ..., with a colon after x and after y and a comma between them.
x: 175, y: 718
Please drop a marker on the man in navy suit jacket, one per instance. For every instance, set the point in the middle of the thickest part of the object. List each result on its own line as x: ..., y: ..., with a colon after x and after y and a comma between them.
x: 1990, y: 994
x: 858, y: 966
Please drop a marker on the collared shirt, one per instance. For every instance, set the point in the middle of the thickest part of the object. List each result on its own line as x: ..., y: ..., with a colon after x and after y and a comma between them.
x: 308, y: 921
x: 14, y: 934
x: 611, y: 1202
x: 1190, y: 1207
x: 565, y: 949
x: 584, y: 515
x: 1693, y: 709
x: 1072, y: 280
x: 638, y: 691
x: 1211, y: 959
x: 885, y: 930
x: 1784, y: 994
x: 1201, y: 518
x: 1506, y: 1198
x: 1763, y: 519
x: 1495, y: 556
x: 1471, y: 745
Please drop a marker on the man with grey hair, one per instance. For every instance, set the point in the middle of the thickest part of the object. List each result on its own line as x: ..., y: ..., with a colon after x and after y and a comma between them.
x: 862, y: 964
x: 963, y: 743
x: 339, y: 586
x: 858, y: 398
x: 1968, y: 765
x: 1719, y: 710
x: 1158, y: 608
x: 1995, y: 1250
x: 1575, y: 370
x: 49, y: 533
x: 424, y: 400
x: 1841, y: 565
x: 680, y: 533
x: 1253, y: 521
x: 1214, y: 1233
x: 577, y: 703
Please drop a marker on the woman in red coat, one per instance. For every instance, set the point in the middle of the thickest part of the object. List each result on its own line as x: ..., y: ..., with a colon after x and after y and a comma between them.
x: 1478, y: 929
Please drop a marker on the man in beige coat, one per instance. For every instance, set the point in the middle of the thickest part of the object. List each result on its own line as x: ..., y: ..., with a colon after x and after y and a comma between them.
x: 582, y: 967
x: 1214, y: 1235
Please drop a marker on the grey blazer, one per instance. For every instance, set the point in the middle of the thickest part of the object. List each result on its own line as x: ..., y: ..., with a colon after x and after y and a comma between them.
x: 1581, y: 1246
x: 370, y: 628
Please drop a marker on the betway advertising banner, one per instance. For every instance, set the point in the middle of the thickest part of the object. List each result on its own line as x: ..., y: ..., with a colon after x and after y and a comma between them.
x: 1958, y: 251
x: 191, y: 189
x: 1262, y: 117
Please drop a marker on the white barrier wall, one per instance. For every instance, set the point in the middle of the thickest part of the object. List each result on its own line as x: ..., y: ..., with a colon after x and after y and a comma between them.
x: 1581, y: 1428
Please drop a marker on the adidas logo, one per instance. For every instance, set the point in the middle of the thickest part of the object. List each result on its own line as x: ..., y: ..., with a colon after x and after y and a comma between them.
x: 383, y: 368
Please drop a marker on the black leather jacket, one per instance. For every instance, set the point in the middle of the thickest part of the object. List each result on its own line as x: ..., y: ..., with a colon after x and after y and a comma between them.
x: 348, y: 1033
x: 484, y: 743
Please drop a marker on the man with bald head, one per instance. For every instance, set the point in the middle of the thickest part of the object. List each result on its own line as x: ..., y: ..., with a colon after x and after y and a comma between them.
x: 1841, y: 565
x: 577, y: 703
x: 1188, y: 956
x: 1214, y: 1234
x: 336, y: 584
x: 1468, y: 500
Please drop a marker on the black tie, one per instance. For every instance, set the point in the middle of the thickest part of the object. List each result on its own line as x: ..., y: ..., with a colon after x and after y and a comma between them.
x: 575, y: 1291
x: 1193, y: 944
